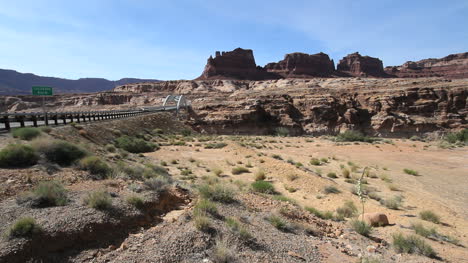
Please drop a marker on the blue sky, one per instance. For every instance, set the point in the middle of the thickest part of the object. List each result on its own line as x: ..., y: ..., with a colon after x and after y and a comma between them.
x: 172, y: 39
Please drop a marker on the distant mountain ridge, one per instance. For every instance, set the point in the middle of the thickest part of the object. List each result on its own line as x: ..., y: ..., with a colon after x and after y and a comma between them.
x: 16, y: 83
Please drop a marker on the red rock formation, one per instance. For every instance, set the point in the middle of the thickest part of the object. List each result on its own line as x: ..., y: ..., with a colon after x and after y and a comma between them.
x: 453, y: 66
x: 301, y: 65
x: 361, y: 66
x: 236, y: 64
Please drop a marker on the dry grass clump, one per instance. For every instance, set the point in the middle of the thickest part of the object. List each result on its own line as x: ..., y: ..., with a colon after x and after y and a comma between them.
x: 18, y: 156
x: 100, y: 200
x: 278, y: 222
x: 217, y: 145
x: 332, y: 175
x: 430, y: 216
x: 361, y: 227
x: 135, y: 201
x: 24, y: 227
x: 27, y: 133
x: 222, y: 253
x: 50, y: 193
x: 217, y: 192
x: 263, y: 187
x: 393, y: 187
x: 95, y: 166
x: 217, y: 172
x: 158, y: 184
x: 260, y: 175
x: 392, y: 203
x: 292, y: 177
x: 205, y: 206
x: 202, y: 222
x: 346, y: 173
x: 315, y: 161
x: 411, y: 172
x: 57, y: 151
x: 348, y: 210
x: 412, y: 244
x: 237, y: 228
x: 318, y: 213
x: 331, y: 190
x: 239, y: 170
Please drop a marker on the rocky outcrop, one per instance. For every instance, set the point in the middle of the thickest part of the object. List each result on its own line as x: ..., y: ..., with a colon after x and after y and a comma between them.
x: 361, y: 66
x: 453, y: 66
x: 301, y: 65
x: 236, y: 64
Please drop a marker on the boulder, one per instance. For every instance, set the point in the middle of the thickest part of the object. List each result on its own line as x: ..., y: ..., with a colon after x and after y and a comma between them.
x: 361, y: 66
x: 376, y: 219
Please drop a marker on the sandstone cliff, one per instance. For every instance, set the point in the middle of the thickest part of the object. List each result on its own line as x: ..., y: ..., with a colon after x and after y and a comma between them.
x: 361, y: 66
x: 300, y: 65
x: 453, y: 66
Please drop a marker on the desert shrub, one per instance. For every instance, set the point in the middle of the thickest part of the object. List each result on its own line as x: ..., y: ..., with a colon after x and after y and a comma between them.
x: 205, y: 206
x: 411, y: 172
x: 135, y: 145
x: 332, y: 175
x: 392, y: 203
x: 100, y: 200
x: 353, y: 136
x: 361, y: 227
x: 292, y: 177
x: 370, y: 259
x: 239, y: 170
x: 331, y: 190
x: 24, y: 227
x: 385, y: 178
x: 45, y: 129
x: 429, y: 216
x: 27, y: 133
x: 345, y: 172
x: 202, y: 222
x: 319, y: 214
x: 393, y: 187
x: 348, y: 210
x: 18, y: 155
x: 277, y: 157
x: 58, y: 151
x: 374, y: 195
x: 186, y: 132
x: 95, y: 166
x: 260, y: 175
x: 315, y: 161
x: 283, y: 198
x: 50, y: 194
x: 154, y: 171
x: 163, y: 163
x: 135, y: 201
x: 412, y: 244
x: 324, y: 160
x: 263, y: 187
x: 282, y: 132
x: 110, y: 148
x: 217, y: 192
x: 461, y: 136
x: 236, y: 227
x: 222, y: 253
x: 217, y: 145
x: 278, y: 222
x: 421, y: 230
x: 158, y: 184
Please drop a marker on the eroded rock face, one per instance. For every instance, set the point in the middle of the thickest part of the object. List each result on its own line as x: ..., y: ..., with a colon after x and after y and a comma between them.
x: 453, y: 66
x: 361, y: 66
x: 301, y: 65
x: 236, y: 64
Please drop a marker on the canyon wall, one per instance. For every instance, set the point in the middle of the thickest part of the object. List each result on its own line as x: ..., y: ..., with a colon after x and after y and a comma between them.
x: 361, y: 66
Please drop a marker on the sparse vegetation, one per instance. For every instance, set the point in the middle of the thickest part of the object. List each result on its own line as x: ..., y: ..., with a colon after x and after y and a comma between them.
x: 202, y: 222
x: 361, y: 227
x: 263, y: 187
x: 260, y: 175
x: 217, y: 192
x: 135, y: 145
x: 158, y: 184
x: 461, y: 136
x: 218, y: 145
x: 95, y: 166
x: 292, y: 177
x: 17, y: 156
x: 100, y: 200
x: 332, y: 175
x: 110, y: 148
x: 345, y: 172
x: 27, y: 133
x: 282, y: 131
x: 315, y: 161
x: 239, y: 170
x: 411, y: 172
x: 348, y: 210
x: 58, y: 151
x: 277, y: 157
x: 24, y: 227
x: 237, y: 228
x: 320, y: 214
x: 222, y: 253
x: 205, y: 206
x: 331, y: 190
x: 217, y: 172
x: 392, y: 203
x: 50, y: 193
x: 430, y: 216
x: 135, y: 201
x: 412, y: 244
x: 353, y: 136
x: 278, y: 222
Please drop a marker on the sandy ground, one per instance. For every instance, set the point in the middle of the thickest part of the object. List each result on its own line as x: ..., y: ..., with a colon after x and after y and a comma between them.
x: 441, y: 186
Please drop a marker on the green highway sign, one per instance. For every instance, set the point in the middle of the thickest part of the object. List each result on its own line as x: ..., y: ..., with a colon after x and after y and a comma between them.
x: 42, y: 91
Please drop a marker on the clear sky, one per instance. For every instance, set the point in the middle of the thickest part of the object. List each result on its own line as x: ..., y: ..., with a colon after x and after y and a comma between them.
x: 172, y: 39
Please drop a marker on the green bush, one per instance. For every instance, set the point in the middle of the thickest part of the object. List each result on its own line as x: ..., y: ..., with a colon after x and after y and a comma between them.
x: 217, y: 192
x: 239, y: 170
x: 217, y: 145
x: 392, y: 203
x: 17, y: 156
x: 205, y: 206
x: 263, y: 187
x: 315, y: 161
x: 277, y: 157
x: 110, y: 148
x: 237, y: 228
x: 353, y: 136
x: 45, y: 129
x: 412, y: 244
x: 331, y: 190
x: 134, y: 145
x: 319, y: 214
x: 95, y: 166
x: 24, y: 227
x: 361, y: 227
x: 282, y: 131
x: 158, y: 184
x: 429, y: 216
x: 50, y: 194
x: 332, y: 175
x: 411, y: 172
x: 27, y: 133
x: 58, y: 151
x: 461, y: 136
x: 348, y: 210
x: 136, y: 201
x: 100, y: 200
x: 278, y: 222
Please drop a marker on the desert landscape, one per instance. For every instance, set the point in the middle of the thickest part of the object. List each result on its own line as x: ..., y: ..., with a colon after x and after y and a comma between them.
x: 292, y: 162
